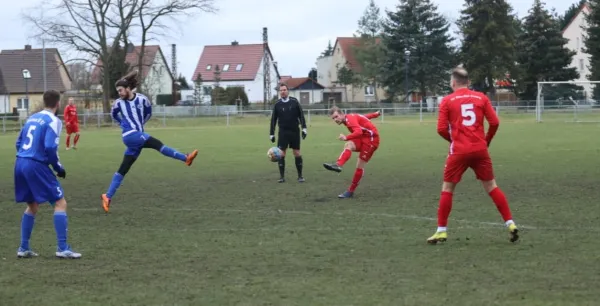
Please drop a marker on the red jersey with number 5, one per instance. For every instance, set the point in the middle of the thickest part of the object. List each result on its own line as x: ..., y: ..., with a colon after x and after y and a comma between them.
x: 460, y: 121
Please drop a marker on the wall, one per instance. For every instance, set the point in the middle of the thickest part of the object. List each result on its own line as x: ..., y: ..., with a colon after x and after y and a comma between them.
x: 34, y: 100
x: 575, y: 34
x: 314, y: 96
x: 5, y: 104
x: 158, y: 81
x: 324, y: 70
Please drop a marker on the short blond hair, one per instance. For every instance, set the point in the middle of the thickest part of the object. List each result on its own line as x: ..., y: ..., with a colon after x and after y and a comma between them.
x: 334, y: 109
x: 460, y: 75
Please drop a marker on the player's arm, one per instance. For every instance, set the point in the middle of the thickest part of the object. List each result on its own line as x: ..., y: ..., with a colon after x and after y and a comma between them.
x: 301, y: 116
x: 373, y: 115
x: 273, y: 120
x: 19, y: 140
x: 443, y: 122
x: 352, y: 124
x: 147, y: 110
x: 116, y: 109
x: 51, y: 141
x: 492, y: 118
x: 66, y: 115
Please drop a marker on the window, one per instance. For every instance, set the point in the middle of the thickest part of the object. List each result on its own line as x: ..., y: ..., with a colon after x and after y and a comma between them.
x: 239, y: 67
x: 581, y: 65
x: 226, y: 67
x: 23, y: 103
x: 582, y: 42
x: 578, y: 44
x: 369, y: 91
x: 207, y: 90
x: 208, y: 67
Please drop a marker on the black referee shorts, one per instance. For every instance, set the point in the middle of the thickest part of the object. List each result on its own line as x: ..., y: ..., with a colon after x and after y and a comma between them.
x: 289, y: 139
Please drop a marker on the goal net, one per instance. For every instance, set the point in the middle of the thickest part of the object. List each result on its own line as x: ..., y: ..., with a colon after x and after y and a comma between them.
x: 569, y: 101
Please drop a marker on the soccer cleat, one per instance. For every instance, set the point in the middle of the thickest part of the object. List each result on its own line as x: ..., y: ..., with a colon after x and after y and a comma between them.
x: 67, y: 253
x: 22, y: 253
x: 438, y: 237
x: 514, y: 232
x: 105, y: 203
x: 281, y: 180
x: 346, y: 195
x: 301, y: 180
x: 332, y: 167
x: 68, y: 148
x: 190, y: 157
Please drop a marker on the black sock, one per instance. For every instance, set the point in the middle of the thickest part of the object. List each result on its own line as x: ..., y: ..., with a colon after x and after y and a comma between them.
x: 299, y: 165
x: 282, y: 166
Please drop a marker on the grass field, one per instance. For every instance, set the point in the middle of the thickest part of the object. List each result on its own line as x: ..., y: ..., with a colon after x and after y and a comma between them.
x: 223, y: 232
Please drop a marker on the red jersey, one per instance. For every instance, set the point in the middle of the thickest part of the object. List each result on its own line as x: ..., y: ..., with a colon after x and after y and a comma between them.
x: 460, y: 121
x: 71, y: 114
x: 360, y: 126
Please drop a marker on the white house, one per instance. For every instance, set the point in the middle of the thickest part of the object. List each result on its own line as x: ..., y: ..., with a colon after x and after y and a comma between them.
x: 4, y: 97
x: 239, y: 65
x: 575, y: 32
x: 324, y: 70
x: 305, y: 90
x: 156, y: 76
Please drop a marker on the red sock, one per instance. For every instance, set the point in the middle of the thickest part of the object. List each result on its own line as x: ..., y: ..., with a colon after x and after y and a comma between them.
x: 444, y: 208
x: 68, y: 140
x: 501, y: 203
x: 358, y: 174
x: 344, y: 157
x: 76, y: 139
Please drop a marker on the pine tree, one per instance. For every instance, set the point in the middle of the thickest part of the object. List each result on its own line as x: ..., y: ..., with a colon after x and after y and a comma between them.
x: 218, y: 93
x: 416, y: 26
x: 542, y: 53
x: 345, y: 77
x: 198, y: 89
x: 592, y: 44
x: 488, y: 43
x: 369, y: 53
x: 328, y: 51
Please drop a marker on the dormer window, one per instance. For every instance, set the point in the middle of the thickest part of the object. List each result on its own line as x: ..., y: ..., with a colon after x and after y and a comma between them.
x: 239, y: 67
x: 208, y: 67
x: 226, y: 67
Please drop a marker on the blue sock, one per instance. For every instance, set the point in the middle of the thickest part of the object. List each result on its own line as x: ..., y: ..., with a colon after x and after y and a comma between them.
x: 26, y: 228
x: 114, y: 185
x: 60, y: 226
x: 172, y: 153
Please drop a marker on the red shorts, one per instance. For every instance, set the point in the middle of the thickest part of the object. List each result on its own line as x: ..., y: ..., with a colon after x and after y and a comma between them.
x: 366, y: 146
x: 73, y: 128
x: 479, y: 161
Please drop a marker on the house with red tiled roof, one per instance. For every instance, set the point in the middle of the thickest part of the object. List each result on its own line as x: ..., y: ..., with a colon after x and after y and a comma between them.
x: 306, y: 90
x: 239, y: 65
x: 26, y: 94
x: 575, y: 32
x: 327, y: 68
x: 155, y: 75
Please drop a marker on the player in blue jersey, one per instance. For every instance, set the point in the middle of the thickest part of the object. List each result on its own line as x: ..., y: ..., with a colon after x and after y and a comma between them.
x: 35, y: 183
x: 132, y: 110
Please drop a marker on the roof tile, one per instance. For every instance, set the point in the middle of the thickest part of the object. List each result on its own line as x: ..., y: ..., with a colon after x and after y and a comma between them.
x: 248, y: 55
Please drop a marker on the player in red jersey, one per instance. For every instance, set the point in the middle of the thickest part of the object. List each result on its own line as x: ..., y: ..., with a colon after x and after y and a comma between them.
x: 72, y: 123
x: 461, y: 122
x: 363, y: 138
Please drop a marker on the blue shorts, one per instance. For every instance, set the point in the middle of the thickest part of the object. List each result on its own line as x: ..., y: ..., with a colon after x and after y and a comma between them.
x: 135, y: 143
x: 35, y: 182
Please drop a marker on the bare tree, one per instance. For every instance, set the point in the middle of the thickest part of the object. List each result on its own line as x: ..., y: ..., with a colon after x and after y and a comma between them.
x: 80, y: 74
x: 97, y: 29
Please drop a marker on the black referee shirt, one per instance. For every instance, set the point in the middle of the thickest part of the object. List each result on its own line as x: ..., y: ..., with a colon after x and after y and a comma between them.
x: 288, y: 113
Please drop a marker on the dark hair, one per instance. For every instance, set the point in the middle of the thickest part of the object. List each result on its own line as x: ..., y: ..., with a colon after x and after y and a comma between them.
x: 460, y: 75
x: 51, y: 98
x: 283, y: 85
x: 129, y: 80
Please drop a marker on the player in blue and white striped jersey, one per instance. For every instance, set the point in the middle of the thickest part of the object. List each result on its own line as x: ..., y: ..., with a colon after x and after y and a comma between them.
x: 132, y: 111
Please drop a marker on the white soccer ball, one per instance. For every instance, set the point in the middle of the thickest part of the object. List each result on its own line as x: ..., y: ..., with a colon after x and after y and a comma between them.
x: 274, y: 154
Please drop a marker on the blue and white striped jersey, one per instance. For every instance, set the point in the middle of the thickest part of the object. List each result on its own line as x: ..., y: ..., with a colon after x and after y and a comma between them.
x: 132, y: 114
x: 39, y: 139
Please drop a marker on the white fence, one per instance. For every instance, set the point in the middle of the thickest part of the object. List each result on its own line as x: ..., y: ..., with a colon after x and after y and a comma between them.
x: 190, y: 116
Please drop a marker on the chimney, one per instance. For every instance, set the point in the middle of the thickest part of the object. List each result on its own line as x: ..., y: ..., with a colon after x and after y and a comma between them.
x: 27, y: 47
x: 235, y: 43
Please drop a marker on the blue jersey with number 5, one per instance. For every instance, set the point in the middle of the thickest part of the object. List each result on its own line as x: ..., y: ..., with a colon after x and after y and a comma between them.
x: 39, y: 139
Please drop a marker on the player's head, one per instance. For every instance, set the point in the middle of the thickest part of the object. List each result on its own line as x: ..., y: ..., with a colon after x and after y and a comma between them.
x: 459, y: 78
x: 283, y: 90
x: 337, y: 115
x: 51, y: 100
x: 127, y: 84
x: 71, y: 101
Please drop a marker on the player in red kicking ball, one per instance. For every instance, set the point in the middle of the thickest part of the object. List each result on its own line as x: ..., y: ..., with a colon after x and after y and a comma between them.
x: 461, y: 122
x: 363, y: 138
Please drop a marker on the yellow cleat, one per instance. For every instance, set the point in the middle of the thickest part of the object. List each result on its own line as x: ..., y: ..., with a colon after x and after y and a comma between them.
x: 438, y: 237
x: 514, y: 232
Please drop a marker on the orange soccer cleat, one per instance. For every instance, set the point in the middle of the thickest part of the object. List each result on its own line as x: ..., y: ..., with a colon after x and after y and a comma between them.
x: 190, y: 157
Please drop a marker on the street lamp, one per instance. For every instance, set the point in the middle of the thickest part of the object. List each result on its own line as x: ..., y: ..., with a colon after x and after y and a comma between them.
x: 26, y: 77
x: 407, y: 62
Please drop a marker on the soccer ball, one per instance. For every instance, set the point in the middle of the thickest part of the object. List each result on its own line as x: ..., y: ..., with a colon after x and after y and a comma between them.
x: 274, y: 154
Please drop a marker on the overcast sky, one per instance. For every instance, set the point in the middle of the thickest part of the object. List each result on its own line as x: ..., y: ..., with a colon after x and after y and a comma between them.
x: 298, y: 30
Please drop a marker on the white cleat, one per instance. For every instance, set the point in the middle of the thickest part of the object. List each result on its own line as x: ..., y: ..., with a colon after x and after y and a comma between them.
x: 68, y: 253
x: 21, y: 253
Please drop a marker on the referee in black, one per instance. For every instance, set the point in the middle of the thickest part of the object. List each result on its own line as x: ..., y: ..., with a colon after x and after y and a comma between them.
x: 287, y: 111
